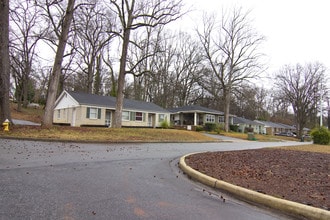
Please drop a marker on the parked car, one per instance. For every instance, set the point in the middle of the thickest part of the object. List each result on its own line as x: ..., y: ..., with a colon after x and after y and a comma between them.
x: 287, y: 134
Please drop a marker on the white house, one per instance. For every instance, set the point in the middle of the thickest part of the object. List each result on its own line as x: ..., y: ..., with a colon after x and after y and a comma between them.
x: 244, y: 125
x: 82, y: 109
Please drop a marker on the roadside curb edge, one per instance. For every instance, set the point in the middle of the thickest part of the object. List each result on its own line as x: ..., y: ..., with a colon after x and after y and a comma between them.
x: 283, y: 205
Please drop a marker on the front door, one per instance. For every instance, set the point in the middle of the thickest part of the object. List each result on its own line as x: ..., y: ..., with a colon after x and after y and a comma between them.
x: 108, y: 118
x: 149, y: 120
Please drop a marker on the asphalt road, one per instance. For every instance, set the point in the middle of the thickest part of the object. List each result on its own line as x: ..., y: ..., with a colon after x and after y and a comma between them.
x: 52, y: 180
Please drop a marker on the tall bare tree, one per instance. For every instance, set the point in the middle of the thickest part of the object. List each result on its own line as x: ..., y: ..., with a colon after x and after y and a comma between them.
x: 297, y: 85
x: 61, y: 29
x: 134, y: 14
x: 4, y: 61
x: 94, y: 31
x: 231, y: 49
x: 25, y: 34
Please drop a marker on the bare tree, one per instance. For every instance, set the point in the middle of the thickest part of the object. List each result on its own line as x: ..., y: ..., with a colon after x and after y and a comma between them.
x: 25, y: 34
x: 232, y: 52
x: 133, y: 15
x: 297, y: 85
x: 94, y: 31
x: 60, y: 28
x: 4, y: 61
x: 112, y: 76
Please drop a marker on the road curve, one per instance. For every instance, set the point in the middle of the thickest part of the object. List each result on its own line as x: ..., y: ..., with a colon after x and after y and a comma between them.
x: 55, y: 180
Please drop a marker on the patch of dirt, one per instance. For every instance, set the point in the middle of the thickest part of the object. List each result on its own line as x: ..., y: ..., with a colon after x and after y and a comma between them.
x: 298, y: 176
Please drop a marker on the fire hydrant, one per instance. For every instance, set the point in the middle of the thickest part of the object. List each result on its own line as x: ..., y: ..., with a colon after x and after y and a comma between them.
x: 5, y: 125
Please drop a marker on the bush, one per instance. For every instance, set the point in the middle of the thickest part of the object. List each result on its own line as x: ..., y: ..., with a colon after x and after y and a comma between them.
x: 210, y: 126
x: 321, y: 136
x: 234, y: 128
x: 165, y: 124
x: 199, y: 128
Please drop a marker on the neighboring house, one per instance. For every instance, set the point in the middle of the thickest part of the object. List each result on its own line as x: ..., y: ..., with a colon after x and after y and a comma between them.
x: 196, y: 115
x: 272, y: 128
x: 244, y: 125
x: 82, y: 109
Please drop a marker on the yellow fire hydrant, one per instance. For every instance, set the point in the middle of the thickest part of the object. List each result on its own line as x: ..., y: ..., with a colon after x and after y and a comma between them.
x: 5, y: 125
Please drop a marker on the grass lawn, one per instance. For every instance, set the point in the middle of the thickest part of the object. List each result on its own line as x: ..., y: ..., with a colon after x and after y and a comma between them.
x: 310, y: 148
x: 88, y: 134
x: 258, y: 137
x: 125, y: 134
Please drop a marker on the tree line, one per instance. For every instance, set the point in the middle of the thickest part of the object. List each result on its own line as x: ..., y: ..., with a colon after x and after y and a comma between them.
x: 128, y: 48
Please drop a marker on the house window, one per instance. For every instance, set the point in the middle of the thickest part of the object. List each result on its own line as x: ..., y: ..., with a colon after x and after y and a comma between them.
x: 125, y: 116
x: 210, y: 118
x: 59, y: 113
x: 93, y: 113
x: 221, y: 119
x: 161, y: 117
x: 138, y: 116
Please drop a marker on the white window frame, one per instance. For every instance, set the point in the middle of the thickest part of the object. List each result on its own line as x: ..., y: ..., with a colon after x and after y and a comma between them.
x: 59, y: 113
x: 93, y: 112
x: 125, y: 115
x: 221, y: 119
x: 161, y: 117
x: 138, y: 117
x: 210, y: 118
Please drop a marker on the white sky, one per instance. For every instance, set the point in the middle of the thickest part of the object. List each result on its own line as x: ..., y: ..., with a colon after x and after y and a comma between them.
x: 296, y: 31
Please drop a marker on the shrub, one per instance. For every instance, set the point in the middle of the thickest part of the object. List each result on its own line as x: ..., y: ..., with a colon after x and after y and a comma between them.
x: 210, y: 126
x: 234, y: 128
x: 165, y: 124
x: 321, y: 136
x: 199, y: 128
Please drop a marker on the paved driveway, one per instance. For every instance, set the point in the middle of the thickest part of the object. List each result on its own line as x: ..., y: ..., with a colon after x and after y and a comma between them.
x: 51, y: 180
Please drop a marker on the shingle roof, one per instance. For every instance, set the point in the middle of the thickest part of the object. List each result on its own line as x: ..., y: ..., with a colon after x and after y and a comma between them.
x: 275, y: 125
x: 195, y: 108
x: 110, y: 102
x: 240, y: 120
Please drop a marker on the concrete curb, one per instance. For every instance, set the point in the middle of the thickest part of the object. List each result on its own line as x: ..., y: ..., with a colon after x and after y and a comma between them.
x: 283, y: 205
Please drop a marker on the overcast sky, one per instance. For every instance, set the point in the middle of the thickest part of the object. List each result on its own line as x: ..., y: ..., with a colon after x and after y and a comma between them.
x: 296, y: 31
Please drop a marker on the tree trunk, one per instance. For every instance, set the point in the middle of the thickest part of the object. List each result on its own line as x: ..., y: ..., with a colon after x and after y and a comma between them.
x: 4, y: 61
x: 121, y: 80
x: 55, y: 76
x: 90, y: 75
x: 226, y: 110
x: 25, y: 88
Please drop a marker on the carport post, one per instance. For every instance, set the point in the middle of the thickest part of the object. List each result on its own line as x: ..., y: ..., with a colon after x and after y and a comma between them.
x: 195, y: 118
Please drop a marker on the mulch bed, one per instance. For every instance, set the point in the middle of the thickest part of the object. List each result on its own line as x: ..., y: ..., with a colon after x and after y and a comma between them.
x: 298, y: 176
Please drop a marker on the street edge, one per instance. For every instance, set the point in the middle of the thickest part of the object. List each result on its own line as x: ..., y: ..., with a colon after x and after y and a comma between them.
x: 292, y: 208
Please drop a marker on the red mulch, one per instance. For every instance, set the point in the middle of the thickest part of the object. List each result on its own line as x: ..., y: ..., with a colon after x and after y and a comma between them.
x: 298, y: 176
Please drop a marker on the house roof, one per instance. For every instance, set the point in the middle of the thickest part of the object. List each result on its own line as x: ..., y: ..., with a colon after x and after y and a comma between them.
x: 195, y: 108
x: 110, y: 102
x: 240, y: 120
x: 275, y: 125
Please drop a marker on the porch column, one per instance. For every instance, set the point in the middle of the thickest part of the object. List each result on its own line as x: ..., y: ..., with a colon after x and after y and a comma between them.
x: 195, y: 118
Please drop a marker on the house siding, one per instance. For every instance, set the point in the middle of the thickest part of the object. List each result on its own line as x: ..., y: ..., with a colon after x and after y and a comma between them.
x: 66, y: 117
x: 76, y: 112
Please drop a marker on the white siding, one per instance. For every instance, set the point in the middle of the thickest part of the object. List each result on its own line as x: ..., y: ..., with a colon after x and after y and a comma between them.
x: 66, y: 102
